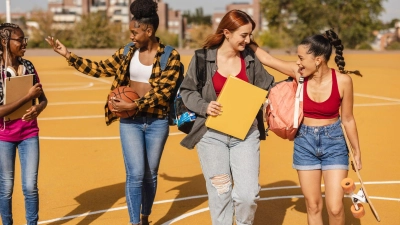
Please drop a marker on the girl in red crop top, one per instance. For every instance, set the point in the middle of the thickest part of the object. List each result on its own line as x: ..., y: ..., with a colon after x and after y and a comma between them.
x: 328, y: 109
x: 219, y: 80
x: 320, y: 150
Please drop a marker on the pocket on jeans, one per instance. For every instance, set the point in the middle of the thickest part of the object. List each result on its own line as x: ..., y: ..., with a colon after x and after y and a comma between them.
x: 335, y: 133
x: 300, y: 133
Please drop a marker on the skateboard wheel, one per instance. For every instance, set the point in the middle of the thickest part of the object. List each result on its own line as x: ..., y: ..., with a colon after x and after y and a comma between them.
x: 348, y: 185
x: 358, y: 213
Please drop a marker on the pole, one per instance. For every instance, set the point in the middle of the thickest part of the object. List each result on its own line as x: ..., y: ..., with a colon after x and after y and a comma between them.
x: 180, y: 33
x: 8, y: 13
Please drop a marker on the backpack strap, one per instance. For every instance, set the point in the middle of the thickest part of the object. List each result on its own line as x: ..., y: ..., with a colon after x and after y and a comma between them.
x: 165, y: 56
x: 299, y: 98
x: 127, y: 47
x: 201, y: 63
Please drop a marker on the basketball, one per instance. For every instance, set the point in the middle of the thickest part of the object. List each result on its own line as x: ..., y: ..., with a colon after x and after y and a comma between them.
x: 125, y: 93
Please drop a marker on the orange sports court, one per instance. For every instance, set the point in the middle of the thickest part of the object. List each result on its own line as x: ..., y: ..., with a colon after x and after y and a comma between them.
x: 82, y: 177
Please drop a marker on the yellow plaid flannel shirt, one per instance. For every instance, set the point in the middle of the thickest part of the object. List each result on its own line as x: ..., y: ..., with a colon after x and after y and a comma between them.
x: 154, y: 103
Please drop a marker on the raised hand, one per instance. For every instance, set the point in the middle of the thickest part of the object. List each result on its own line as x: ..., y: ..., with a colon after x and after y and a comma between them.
x: 58, y: 46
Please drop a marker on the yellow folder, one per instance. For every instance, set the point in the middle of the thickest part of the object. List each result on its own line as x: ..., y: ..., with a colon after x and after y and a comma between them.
x: 15, y: 89
x: 240, y: 102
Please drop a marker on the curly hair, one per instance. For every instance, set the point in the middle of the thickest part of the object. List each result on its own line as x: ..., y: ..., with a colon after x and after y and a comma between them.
x: 5, y: 32
x: 321, y: 45
x: 145, y: 12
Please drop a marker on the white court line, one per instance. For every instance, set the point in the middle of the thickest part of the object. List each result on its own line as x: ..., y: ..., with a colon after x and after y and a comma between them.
x: 71, y: 117
x: 377, y: 97
x: 377, y: 104
x: 261, y: 199
x: 76, y: 73
x: 205, y: 209
x: 185, y: 216
x: 77, y: 88
x: 91, y: 138
x: 64, y: 84
x: 92, y: 78
x: 77, y: 103
x: 70, y: 88
x: 84, y: 214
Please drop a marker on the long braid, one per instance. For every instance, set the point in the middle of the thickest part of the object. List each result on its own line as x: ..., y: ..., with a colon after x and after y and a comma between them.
x: 339, y: 59
x: 5, y: 34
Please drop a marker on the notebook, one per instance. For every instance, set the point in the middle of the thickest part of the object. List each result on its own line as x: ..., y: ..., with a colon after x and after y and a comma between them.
x: 240, y: 102
x: 16, y: 88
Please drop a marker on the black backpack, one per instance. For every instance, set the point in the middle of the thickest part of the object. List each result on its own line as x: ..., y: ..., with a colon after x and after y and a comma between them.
x: 183, y: 117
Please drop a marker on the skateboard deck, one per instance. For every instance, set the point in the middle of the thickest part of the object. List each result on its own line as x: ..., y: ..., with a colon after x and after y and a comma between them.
x: 348, y: 184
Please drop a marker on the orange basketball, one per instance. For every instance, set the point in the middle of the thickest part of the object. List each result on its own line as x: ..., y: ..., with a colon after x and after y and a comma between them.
x: 125, y: 93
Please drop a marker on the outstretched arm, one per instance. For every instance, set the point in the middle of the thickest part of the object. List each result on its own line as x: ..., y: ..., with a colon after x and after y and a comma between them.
x: 106, y: 68
x: 285, y: 67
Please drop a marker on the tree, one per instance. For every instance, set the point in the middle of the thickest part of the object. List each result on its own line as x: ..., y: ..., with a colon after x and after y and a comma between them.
x: 198, y: 17
x: 94, y: 31
x: 45, y: 28
x: 198, y: 34
x: 168, y: 37
x: 354, y: 20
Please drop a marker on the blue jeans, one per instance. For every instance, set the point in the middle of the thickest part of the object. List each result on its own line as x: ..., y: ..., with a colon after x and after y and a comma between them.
x: 143, y: 141
x: 320, y: 148
x: 227, y: 161
x: 29, y: 156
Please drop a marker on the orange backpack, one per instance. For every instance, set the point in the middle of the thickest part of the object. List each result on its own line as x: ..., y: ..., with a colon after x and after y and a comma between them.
x: 284, y: 108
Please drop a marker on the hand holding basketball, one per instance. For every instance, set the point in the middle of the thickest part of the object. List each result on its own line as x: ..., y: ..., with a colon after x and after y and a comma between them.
x: 119, y: 101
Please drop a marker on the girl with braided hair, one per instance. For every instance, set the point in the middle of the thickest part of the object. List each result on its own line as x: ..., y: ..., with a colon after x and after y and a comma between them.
x: 143, y: 135
x: 320, y: 149
x: 21, y: 134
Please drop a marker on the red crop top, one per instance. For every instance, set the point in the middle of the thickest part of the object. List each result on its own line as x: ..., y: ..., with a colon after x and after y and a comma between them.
x: 328, y: 109
x: 219, y: 80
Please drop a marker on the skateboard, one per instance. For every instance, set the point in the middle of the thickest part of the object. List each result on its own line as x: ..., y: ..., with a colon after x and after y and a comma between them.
x: 349, y: 187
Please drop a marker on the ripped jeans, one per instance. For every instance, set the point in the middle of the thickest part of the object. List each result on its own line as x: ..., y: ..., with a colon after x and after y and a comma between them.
x: 231, y: 168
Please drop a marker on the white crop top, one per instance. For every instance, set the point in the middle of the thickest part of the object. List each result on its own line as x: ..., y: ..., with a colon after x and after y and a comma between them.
x: 137, y: 71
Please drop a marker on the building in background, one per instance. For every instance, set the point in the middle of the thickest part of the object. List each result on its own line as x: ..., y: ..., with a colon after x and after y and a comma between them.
x: 67, y: 12
x: 253, y: 9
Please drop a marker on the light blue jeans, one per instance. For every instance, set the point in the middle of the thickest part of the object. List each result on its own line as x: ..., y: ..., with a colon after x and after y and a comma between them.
x: 231, y: 169
x: 29, y: 156
x: 143, y: 141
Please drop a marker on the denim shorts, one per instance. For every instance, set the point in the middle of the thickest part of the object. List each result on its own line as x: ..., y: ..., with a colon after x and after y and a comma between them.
x: 320, y: 148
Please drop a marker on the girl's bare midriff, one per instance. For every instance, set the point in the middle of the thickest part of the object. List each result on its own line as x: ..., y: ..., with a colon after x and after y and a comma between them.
x: 140, y: 87
x: 318, y: 122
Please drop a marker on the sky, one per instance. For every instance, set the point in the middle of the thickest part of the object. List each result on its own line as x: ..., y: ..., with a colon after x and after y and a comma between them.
x: 392, y: 7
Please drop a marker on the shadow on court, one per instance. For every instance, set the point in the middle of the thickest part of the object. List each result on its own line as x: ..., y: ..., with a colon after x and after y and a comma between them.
x: 275, y: 204
x: 271, y: 209
x: 191, y: 185
x: 97, y: 199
